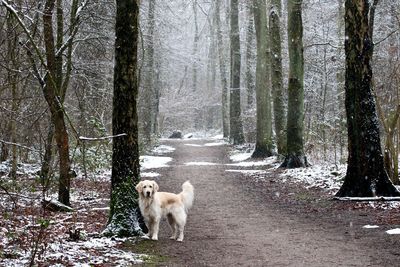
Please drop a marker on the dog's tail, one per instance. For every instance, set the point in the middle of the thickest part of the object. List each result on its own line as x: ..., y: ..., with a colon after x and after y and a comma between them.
x: 187, y: 195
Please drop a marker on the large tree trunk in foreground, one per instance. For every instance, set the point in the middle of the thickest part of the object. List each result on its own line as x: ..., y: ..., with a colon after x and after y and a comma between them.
x: 236, y: 128
x: 124, y: 208
x: 366, y: 175
x: 276, y: 75
x: 295, y: 148
x: 264, y: 146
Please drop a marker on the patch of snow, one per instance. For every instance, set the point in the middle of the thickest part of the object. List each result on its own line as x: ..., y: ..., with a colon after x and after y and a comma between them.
x: 200, y: 163
x: 248, y: 171
x: 215, y: 144
x: 188, y: 136
x: 104, y: 175
x: 370, y: 226
x: 268, y: 161
x: 106, y: 249
x: 104, y: 208
x: 384, y: 205
x: 195, y: 145
x: 395, y: 231
x: 240, y: 156
x: 218, y: 137
x: 163, y: 149
x: 149, y: 174
x: 323, y: 176
x: 153, y: 162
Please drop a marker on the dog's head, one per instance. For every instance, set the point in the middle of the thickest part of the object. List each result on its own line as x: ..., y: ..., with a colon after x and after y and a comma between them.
x: 147, y: 188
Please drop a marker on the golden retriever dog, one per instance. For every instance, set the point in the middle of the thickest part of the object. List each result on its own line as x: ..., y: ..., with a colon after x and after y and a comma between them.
x: 156, y: 205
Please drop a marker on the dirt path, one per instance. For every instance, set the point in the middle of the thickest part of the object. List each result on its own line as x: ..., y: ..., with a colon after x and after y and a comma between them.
x: 238, y: 222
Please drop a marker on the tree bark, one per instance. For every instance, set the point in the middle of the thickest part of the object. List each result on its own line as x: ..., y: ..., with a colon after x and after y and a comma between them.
x: 236, y: 128
x: 366, y: 175
x: 149, y: 93
x: 124, y: 218
x: 295, y: 120
x: 250, y: 86
x: 264, y: 145
x: 222, y: 70
x: 13, y: 78
x: 276, y: 75
x: 195, y: 44
x: 53, y: 98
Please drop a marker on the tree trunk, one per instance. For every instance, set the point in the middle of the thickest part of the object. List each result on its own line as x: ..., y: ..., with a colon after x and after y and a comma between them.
x: 236, y: 129
x: 295, y: 120
x: 222, y: 70
x: 264, y: 146
x: 276, y: 75
x: 366, y: 175
x: 124, y: 219
x: 149, y: 93
x: 156, y: 100
x: 53, y: 98
x: 48, y: 157
x: 250, y: 55
x: 13, y: 78
x: 195, y: 44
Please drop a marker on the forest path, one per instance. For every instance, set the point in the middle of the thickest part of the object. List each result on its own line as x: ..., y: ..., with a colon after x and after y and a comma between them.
x: 232, y: 224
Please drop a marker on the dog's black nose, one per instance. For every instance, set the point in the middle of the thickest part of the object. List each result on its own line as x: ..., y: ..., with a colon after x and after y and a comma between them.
x: 148, y: 194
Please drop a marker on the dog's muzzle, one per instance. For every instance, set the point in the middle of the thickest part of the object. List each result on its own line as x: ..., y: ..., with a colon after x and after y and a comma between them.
x: 148, y: 194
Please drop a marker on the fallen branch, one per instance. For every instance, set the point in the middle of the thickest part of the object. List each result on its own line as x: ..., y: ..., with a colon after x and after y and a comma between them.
x: 55, y: 205
x: 21, y: 146
x: 367, y: 198
x: 82, y: 138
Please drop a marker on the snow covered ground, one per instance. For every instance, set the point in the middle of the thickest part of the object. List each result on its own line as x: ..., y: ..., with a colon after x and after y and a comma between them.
x: 25, y: 226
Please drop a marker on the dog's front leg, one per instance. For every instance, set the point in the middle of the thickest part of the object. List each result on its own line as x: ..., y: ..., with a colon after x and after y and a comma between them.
x: 155, y: 228
x: 149, y: 225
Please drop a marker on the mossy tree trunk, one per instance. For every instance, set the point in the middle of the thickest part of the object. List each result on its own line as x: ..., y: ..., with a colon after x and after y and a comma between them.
x: 366, y: 175
x: 295, y: 120
x: 124, y: 210
x: 264, y: 146
x: 276, y: 75
x: 236, y: 128
x: 222, y: 71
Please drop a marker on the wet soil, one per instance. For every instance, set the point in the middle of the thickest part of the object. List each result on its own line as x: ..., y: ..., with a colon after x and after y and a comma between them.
x: 239, y: 220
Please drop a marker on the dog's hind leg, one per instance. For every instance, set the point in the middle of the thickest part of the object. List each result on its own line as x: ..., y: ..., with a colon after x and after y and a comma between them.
x: 172, y: 224
x: 181, y: 221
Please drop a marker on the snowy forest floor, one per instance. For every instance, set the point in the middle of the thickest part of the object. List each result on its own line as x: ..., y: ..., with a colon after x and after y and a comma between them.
x: 246, y: 213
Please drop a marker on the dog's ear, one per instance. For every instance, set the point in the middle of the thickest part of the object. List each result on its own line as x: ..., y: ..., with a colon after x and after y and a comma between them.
x: 155, y: 186
x: 139, y: 187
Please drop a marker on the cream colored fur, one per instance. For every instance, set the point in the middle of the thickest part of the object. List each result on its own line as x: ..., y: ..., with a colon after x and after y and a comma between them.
x: 156, y: 205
